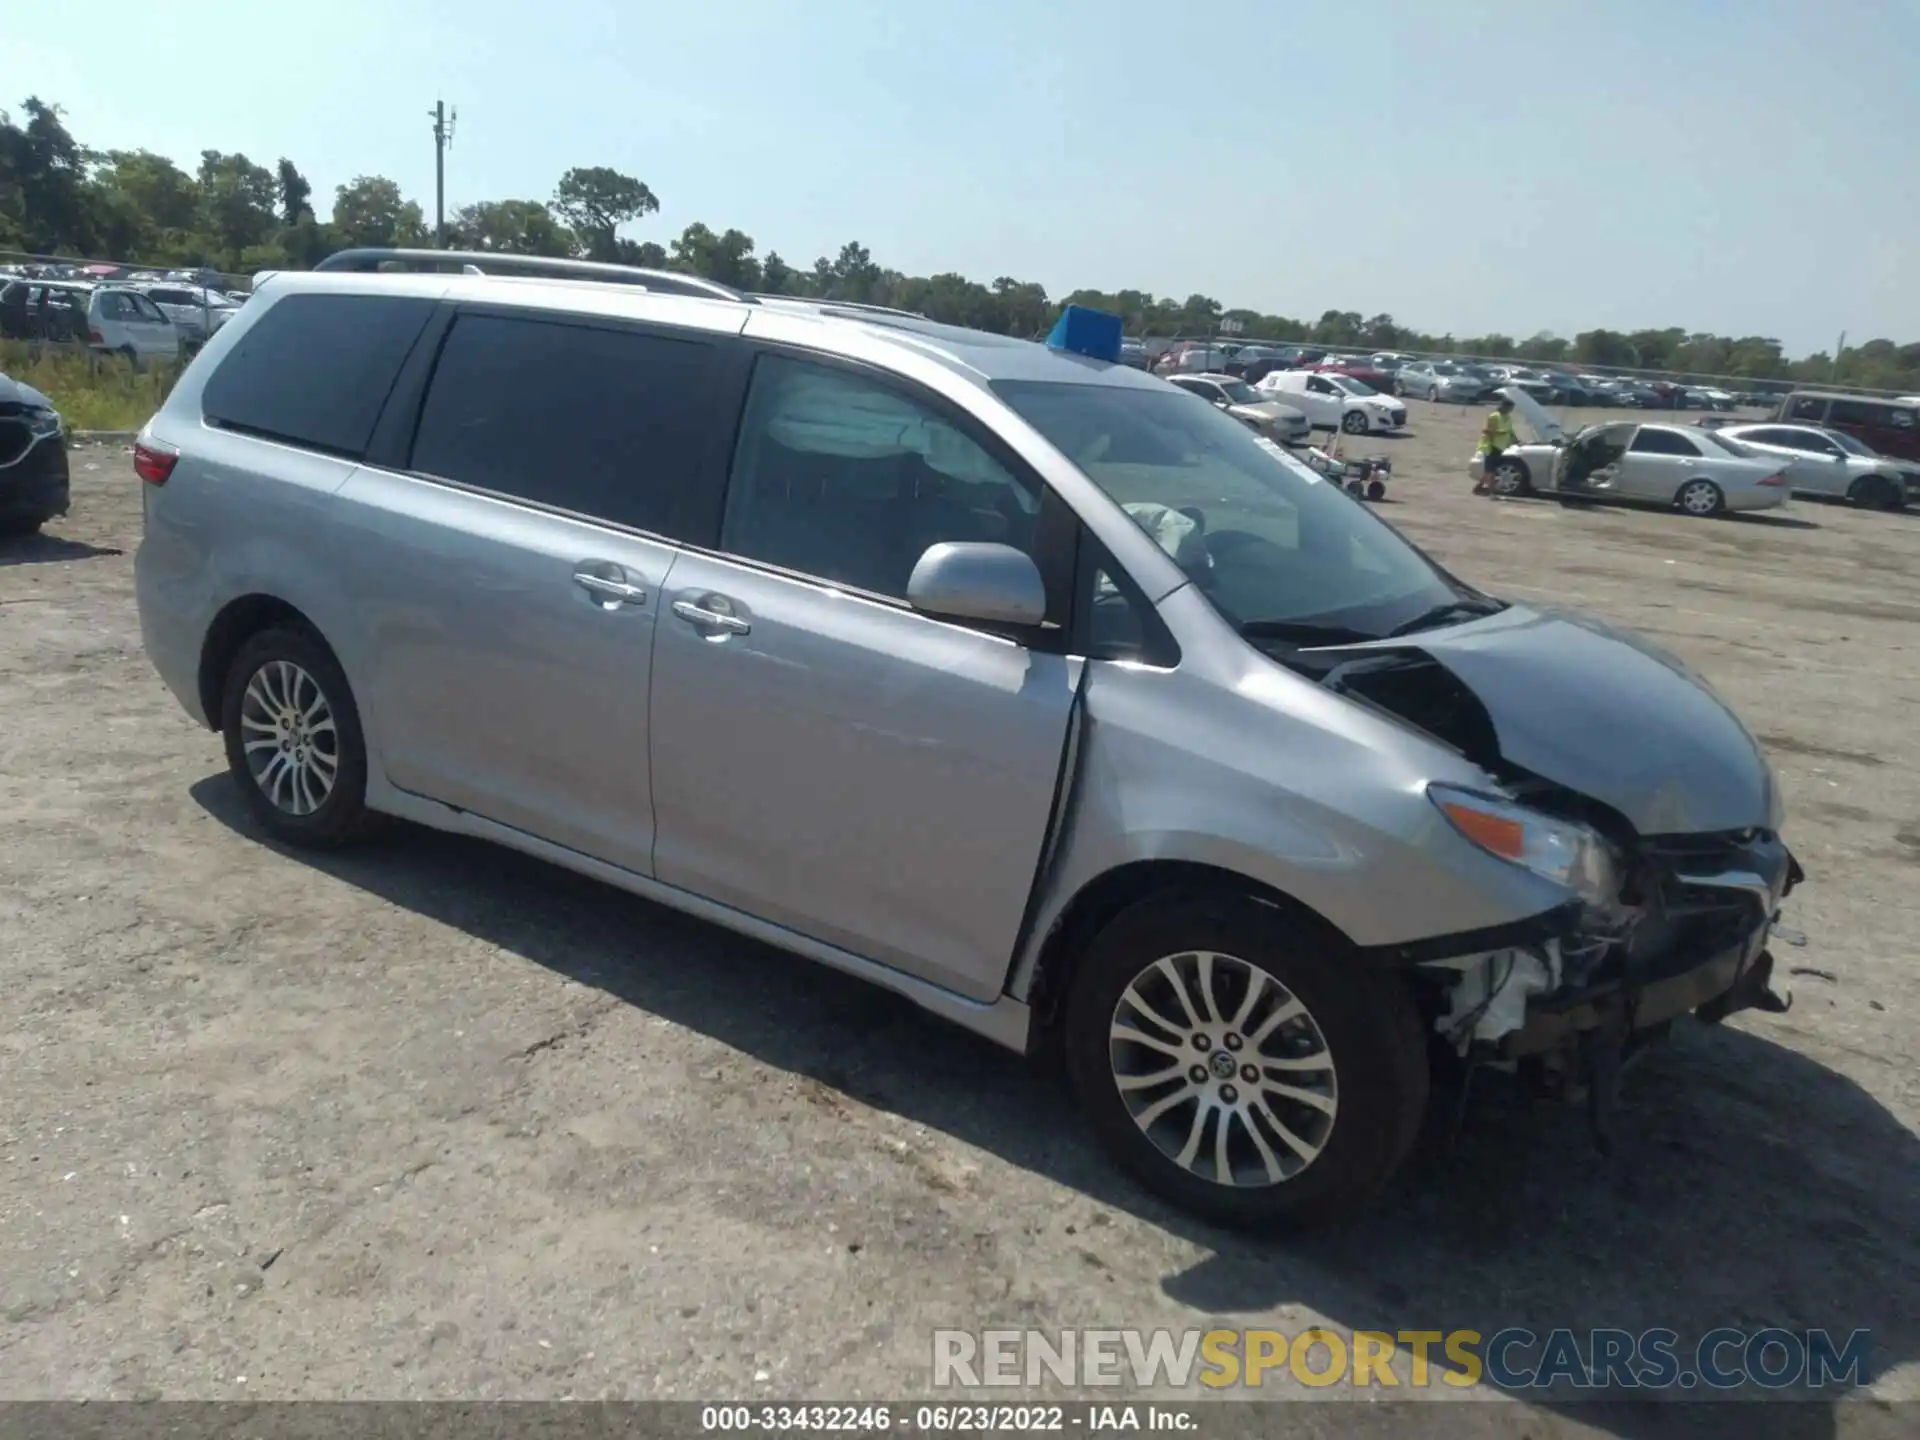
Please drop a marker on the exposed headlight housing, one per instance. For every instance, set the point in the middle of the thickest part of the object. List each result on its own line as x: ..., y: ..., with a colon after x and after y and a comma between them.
x: 1564, y: 851
x: 43, y: 424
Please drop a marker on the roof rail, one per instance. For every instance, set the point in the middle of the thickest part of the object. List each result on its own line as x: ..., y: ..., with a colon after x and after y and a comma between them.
x: 490, y: 262
x: 830, y: 306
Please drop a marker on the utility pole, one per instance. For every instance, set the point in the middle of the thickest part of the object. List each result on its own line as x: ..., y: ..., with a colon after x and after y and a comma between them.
x: 442, y: 137
x: 1833, y: 372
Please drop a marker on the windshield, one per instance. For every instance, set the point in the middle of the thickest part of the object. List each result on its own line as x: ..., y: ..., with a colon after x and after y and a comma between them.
x: 1727, y: 444
x: 1240, y: 393
x: 1849, y: 444
x: 1352, y: 386
x: 1277, y: 544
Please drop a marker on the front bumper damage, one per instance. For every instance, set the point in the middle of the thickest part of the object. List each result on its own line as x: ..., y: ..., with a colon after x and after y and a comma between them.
x: 1689, y: 934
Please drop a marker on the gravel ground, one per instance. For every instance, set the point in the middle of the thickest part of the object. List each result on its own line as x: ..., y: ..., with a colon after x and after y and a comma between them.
x: 434, y: 1120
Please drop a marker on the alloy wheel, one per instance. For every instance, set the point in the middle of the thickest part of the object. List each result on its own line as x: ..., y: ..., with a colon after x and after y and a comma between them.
x: 1700, y: 497
x: 1223, y: 1069
x: 1508, y: 479
x: 292, y: 744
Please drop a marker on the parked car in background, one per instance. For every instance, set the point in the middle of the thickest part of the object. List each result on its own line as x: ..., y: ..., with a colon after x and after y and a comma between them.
x: 1688, y: 469
x: 1134, y: 353
x: 1010, y: 681
x: 109, y: 319
x: 1246, y: 356
x: 33, y: 459
x: 1565, y: 389
x: 1891, y: 427
x: 1438, y: 380
x: 1390, y: 360
x: 1334, y: 402
x: 1365, y: 371
x: 197, y: 313
x: 1829, y: 463
x: 1190, y: 357
x: 1284, y: 423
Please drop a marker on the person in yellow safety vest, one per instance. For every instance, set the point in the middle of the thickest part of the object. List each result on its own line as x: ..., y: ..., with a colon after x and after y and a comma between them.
x: 1496, y: 437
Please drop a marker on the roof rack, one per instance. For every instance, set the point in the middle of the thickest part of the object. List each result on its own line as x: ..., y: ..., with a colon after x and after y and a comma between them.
x: 855, y: 307
x: 490, y: 262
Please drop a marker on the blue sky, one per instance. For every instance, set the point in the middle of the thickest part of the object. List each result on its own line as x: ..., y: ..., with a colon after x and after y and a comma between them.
x: 1739, y: 166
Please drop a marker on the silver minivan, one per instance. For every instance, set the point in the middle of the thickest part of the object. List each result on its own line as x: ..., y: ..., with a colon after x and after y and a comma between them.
x: 1000, y: 674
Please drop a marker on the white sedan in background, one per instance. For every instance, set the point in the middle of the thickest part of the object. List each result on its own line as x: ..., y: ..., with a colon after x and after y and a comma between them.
x: 1681, y: 466
x: 1334, y: 402
x: 1829, y: 463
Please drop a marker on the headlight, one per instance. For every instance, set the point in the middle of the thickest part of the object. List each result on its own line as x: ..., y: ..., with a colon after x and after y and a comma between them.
x: 44, y: 424
x: 1572, y: 854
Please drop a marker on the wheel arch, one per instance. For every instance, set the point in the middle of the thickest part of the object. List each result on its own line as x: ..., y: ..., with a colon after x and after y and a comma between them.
x: 238, y: 621
x: 1102, y: 898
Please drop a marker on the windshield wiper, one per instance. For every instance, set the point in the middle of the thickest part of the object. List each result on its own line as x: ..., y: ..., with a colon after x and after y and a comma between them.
x: 1462, y: 609
x: 1303, y: 630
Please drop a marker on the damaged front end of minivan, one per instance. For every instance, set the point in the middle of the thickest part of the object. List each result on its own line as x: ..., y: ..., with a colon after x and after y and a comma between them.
x: 1636, y: 787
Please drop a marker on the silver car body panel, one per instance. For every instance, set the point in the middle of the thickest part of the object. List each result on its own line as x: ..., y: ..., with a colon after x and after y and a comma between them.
x: 835, y: 773
x: 1813, y: 472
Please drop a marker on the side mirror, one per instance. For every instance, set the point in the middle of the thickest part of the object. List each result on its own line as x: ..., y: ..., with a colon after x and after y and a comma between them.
x: 1223, y: 404
x: 975, y: 580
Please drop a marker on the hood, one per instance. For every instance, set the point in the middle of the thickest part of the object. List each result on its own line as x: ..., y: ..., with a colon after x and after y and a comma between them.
x: 1529, y: 411
x: 1605, y: 713
x: 18, y: 392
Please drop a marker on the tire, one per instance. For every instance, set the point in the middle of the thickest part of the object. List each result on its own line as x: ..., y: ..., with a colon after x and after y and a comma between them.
x: 1876, y: 492
x: 21, y: 526
x: 1355, y: 422
x: 1700, y: 498
x: 1510, y: 477
x: 295, y: 664
x: 1364, y: 1104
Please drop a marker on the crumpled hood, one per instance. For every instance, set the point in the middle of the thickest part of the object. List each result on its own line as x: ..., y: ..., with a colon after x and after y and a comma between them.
x: 1610, y: 715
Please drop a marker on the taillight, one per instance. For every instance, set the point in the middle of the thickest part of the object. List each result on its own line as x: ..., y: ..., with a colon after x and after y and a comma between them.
x: 1775, y: 480
x: 154, y: 463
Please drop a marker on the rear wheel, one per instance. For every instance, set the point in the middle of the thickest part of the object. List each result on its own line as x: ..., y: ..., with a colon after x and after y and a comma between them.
x: 1355, y: 422
x: 1239, y: 1063
x: 293, y: 739
x: 22, y: 526
x: 1700, y: 498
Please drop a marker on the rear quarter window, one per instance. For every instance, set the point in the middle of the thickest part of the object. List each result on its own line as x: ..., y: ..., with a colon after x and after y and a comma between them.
x: 314, y: 370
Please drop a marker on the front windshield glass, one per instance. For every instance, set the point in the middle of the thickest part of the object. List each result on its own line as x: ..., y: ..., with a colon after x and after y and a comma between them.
x: 1849, y: 444
x: 1353, y: 386
x: 1268, y: 539
x: 1240, y: 393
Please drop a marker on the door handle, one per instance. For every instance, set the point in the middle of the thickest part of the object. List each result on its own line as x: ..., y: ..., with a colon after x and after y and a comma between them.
x: 697, y: 615
x: 616, y: 592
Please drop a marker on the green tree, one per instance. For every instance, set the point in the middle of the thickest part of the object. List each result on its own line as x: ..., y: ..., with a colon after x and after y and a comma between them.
x: 371, y: 211
x: 596, y: 201
x: 519, y: 227
x: 236, y: 208
x: 776, y: 276
x: 45, y: 200
x: 296, y: 195
x: 727, y: 258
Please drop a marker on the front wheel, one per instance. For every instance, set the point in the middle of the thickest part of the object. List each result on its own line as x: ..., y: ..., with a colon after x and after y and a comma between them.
x: 1238, y: 1061
x: 1700, y: 498
x: 1355, y: 422
x: 1509, y: 477
x: 1876, y: 492
x: 293, y: 739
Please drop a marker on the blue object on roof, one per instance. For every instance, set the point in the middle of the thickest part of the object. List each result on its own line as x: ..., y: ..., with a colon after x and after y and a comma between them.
x: 1082, y: 331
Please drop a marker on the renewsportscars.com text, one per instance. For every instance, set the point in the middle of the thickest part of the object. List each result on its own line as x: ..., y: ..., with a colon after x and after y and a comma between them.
x: 1507, y: 1359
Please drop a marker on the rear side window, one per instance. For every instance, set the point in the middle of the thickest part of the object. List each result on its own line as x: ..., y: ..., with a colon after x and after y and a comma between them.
x: 1808, y: 407
x: 1663, y: 442
x: 315, y: 369
x: 1861, y: 412
x: 607, y: 423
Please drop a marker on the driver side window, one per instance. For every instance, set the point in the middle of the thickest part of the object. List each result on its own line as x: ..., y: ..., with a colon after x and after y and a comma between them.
x: 847, y: 478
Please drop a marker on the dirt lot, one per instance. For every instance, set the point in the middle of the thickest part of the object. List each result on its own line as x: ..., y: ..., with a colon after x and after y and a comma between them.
x: 433, y: 1120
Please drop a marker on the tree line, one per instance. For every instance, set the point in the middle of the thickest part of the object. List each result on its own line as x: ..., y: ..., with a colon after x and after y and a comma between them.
x: 59, y: 197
